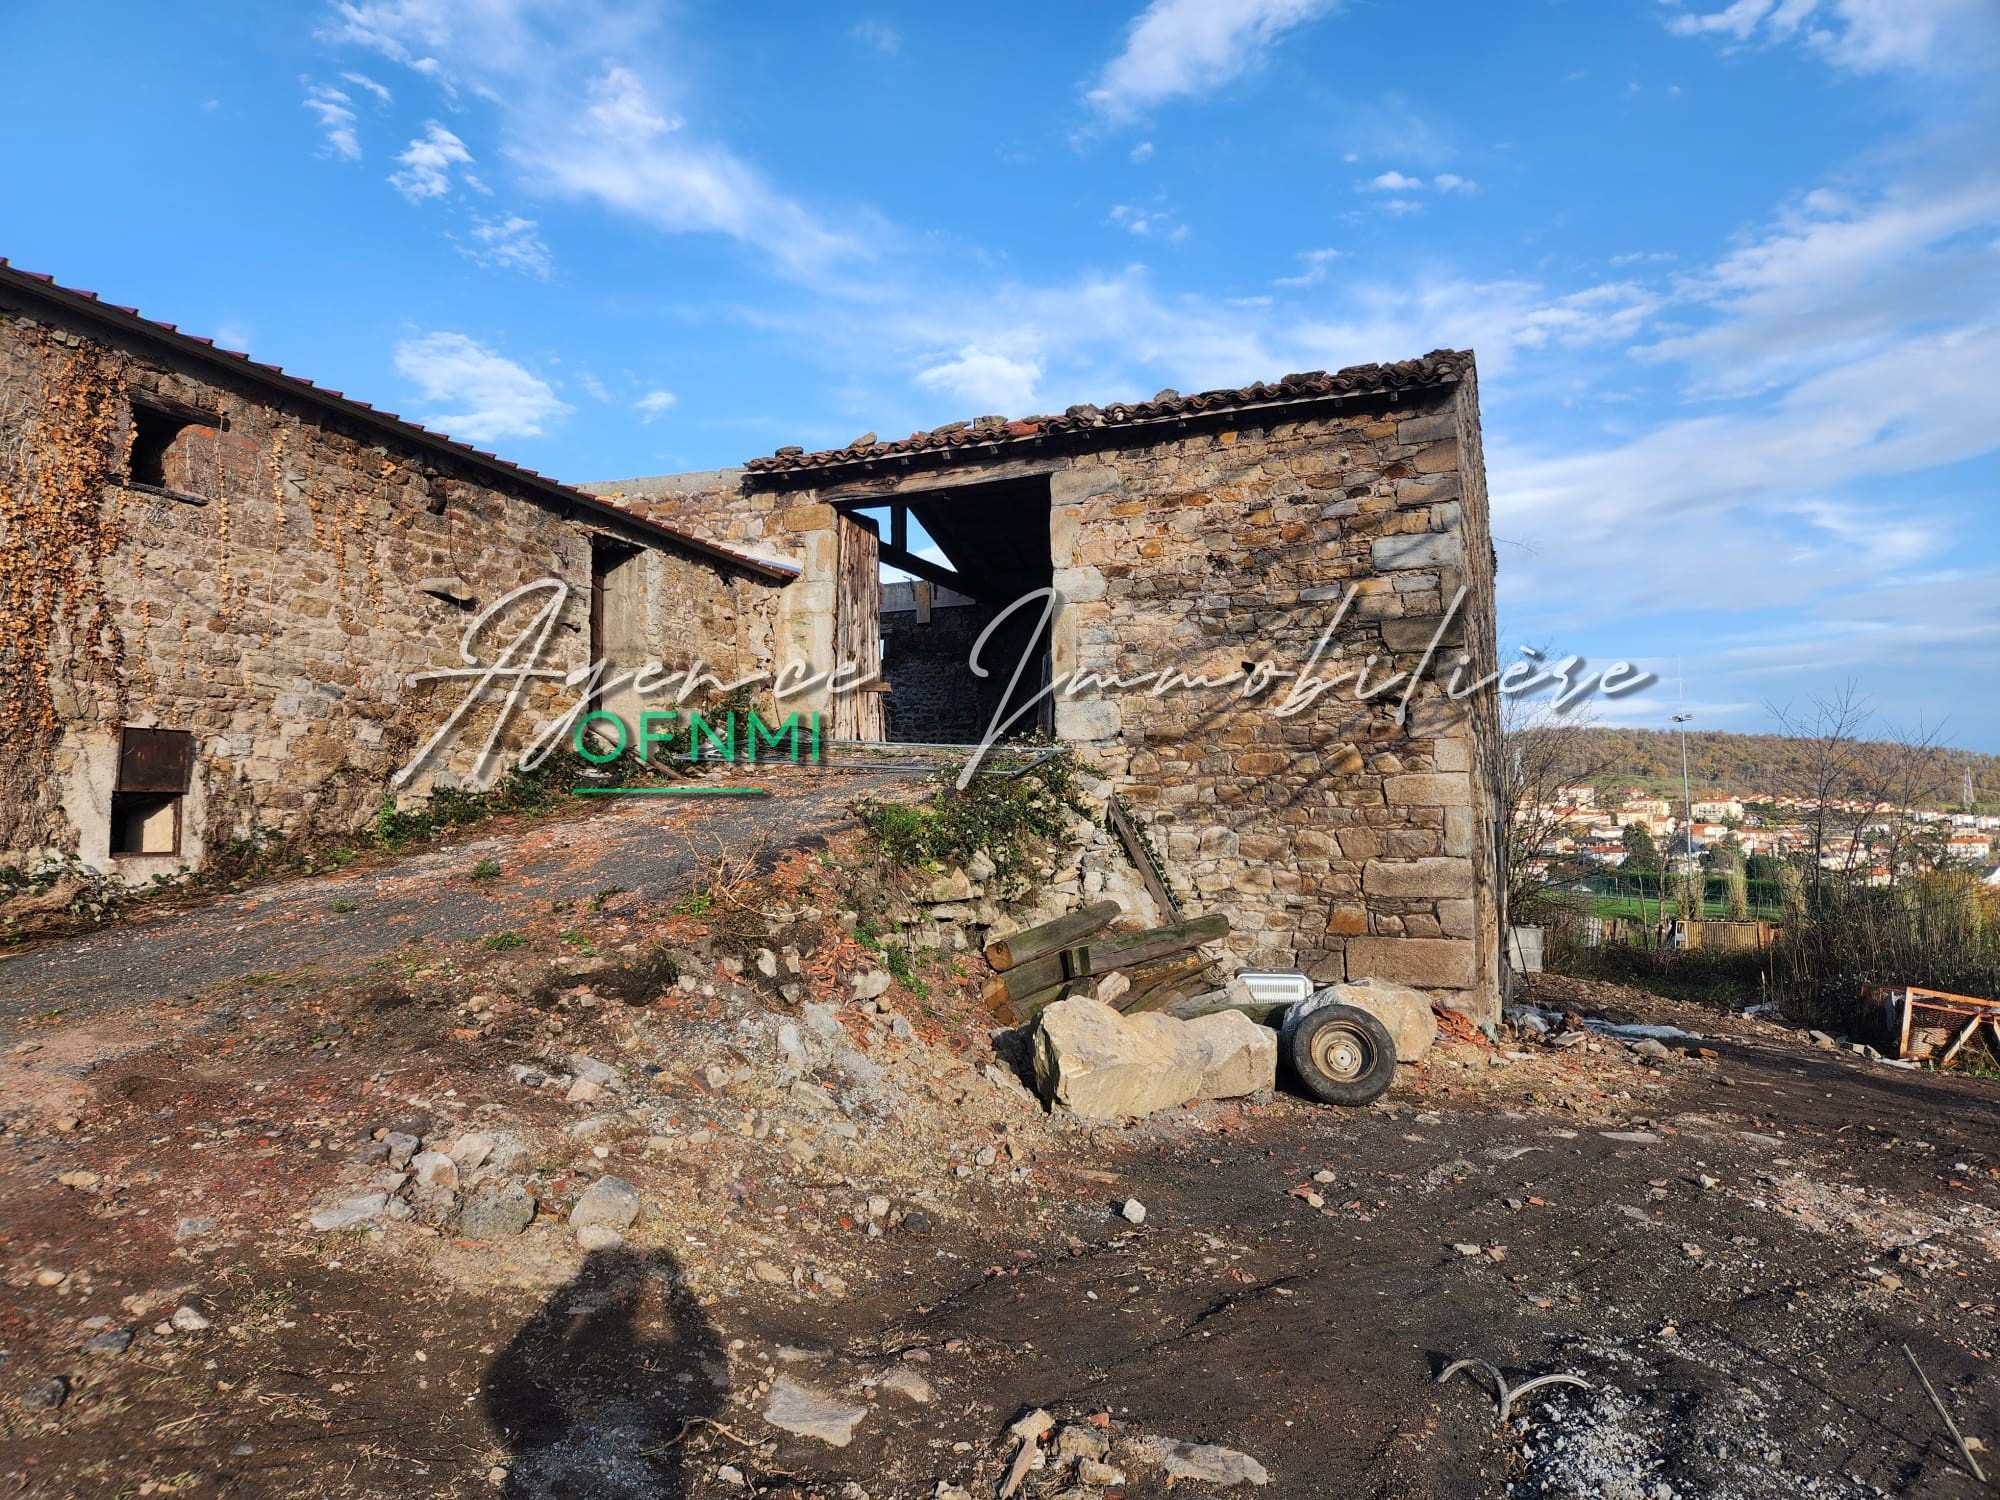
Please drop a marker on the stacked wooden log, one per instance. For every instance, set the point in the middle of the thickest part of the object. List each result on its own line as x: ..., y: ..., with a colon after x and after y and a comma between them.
x: 1073, y: 954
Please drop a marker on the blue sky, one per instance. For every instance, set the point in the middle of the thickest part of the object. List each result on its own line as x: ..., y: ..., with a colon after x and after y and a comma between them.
x: 1732, y: 271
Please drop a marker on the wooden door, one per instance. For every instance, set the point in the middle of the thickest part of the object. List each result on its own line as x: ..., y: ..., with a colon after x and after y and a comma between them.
x: 618, y: 630
x: 857, y: 628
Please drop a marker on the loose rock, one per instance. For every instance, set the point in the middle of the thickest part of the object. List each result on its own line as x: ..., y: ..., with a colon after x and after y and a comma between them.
x: 610, y: 1201
x: 1203, y: 1461
x: 1096, y: 1063
x: 1238, y: 1056
x: 497, y: 1213
x: 47, y: 1396
x: 1404, y: 1011
x: 805, y: 1412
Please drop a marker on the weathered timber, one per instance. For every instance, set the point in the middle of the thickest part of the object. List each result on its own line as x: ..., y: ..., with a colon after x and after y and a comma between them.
x: 1020, y: 1012
x: 1153, y: 985
x: 1051, y: 937
x: 1142, y: 860
x: 1263, y: 1012
x: 1038, y: 974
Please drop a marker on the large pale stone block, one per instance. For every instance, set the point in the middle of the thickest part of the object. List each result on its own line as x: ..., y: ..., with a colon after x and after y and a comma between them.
x: 1079, y: 585
x: 1429, y: 428
x: 1094, y: 1062
x: 1238, y: 1056
x: 1424, y: 790
x: 1065, y: 521
x: 1452, y: 755
x: 1405, y: 1012
x: 1418, y: 879
x: 1073, y: 486
x: 1415, y: 635
x: 808, y: 517
x: 1422, y: 550
x: 1087, y: 719
x: 1434, y: 963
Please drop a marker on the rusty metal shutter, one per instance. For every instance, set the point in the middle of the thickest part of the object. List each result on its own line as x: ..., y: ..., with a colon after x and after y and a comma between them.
x: 155, y: 760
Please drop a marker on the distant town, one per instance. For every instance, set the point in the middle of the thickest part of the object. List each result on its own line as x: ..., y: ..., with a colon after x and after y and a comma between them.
x: 1875, y: 841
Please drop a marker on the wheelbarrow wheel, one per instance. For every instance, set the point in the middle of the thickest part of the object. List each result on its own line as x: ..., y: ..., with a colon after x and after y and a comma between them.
x: 1342, y: 1055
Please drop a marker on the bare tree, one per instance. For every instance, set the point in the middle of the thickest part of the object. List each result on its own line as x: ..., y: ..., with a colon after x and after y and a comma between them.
x: 1880, y: 778
x: 1542, y: 751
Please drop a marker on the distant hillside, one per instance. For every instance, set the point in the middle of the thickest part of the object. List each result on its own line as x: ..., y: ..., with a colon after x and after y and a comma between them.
x: 1742, y: 763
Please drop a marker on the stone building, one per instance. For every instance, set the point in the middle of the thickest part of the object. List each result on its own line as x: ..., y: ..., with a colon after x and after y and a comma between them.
x: 217, y: 579
x: 1354, y: 834
x: 218, y: 583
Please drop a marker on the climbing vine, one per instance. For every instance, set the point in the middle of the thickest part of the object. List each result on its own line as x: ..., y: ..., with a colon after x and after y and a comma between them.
x: 61, y: 444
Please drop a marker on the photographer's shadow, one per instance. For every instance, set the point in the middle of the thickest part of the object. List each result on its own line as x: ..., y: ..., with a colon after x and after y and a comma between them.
x: 592, y: 1393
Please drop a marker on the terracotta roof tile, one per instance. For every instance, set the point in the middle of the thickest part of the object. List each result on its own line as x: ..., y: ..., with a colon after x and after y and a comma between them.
x: 1442, y: 367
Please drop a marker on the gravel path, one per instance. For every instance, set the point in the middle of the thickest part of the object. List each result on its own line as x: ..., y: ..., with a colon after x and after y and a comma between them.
x: 649, y: 845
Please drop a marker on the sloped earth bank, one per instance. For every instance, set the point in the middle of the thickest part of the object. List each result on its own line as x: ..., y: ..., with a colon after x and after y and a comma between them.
x: 332, y: 922
x: 852, y: 1219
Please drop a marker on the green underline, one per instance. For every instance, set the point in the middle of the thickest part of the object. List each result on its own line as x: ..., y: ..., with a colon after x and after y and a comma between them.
x: 670, y: 791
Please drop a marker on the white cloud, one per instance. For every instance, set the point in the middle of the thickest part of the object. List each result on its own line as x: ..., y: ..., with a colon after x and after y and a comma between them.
x: 1861, y: 36
x: 1189, y: 47
x: 363, y: 81
x: 1745, y: 505
x: 879, y: 35
x: 480, y: 395
x: 1834, y: 277
x: 336, y: 119
x: 427, y: 163
x: 1142, y: 152
x: 583, y: 113
x: 402, y: 30
x: 1317, y: 262
x: 511, y: 243
x: 1397, y: 182
x: 1147, y: 222
x: 627, y: 154
x: 654, y: 405
x: 985, y: 378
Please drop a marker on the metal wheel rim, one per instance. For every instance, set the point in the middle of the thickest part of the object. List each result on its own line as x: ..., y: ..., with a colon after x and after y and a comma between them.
x: 1342, y: 1052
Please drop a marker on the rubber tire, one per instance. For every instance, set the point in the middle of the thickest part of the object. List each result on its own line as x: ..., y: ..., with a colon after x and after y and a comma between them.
x: 1375, y: 1078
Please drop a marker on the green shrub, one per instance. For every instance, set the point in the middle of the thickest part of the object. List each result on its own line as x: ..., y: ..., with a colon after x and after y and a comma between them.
x: 1004, y: 815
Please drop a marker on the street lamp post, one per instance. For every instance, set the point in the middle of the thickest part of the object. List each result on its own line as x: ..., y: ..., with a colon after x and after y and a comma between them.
x: 1687, y: 796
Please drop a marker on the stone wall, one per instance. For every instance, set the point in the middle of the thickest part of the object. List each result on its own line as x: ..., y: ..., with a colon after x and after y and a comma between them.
x: 1339, y: 840
x: 932, y: 697
x: 274, y: 593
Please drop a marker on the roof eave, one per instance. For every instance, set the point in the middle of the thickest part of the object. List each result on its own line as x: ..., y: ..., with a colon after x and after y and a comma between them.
x: 241, y: 367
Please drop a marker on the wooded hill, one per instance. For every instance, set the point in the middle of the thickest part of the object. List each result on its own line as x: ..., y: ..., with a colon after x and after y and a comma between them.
x: 1771, y: 764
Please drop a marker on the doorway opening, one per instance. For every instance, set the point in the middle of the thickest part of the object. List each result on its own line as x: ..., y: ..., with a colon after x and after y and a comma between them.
x: 618, y: 633
x: 965, y: 554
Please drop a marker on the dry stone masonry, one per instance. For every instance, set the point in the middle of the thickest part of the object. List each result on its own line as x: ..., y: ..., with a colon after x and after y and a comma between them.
x: 221, y: 579
x: 1202, y: 536
x: 210, y: 548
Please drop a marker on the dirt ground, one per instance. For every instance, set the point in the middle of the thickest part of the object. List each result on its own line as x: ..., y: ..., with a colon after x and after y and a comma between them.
x: 853, y: 1220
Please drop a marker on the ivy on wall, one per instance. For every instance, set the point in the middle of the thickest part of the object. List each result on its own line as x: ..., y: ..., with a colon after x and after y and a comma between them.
x: 63, y: 444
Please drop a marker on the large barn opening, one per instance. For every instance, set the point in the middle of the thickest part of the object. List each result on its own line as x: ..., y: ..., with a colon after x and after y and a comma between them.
x: 968, y: 552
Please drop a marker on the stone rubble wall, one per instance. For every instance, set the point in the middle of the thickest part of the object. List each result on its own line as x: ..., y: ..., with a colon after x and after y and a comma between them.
x: 1339, y: 841
x: 280, y: 618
